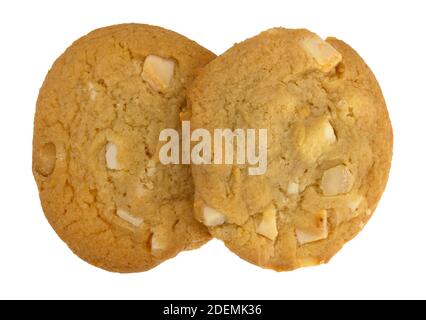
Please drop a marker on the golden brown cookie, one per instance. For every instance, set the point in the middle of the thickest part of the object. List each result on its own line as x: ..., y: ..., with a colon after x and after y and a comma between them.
x: 329, y: 147
x: 95, y: 160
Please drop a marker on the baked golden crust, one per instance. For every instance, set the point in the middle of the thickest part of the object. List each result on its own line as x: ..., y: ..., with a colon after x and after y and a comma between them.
x: 98, y: 118
x: 329, y: 147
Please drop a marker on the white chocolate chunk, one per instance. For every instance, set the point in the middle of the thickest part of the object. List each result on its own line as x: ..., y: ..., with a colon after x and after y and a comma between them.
x: 355, y: 202
x: 281, y: 200
x: 342, y: 105
x: 212, y: 217
x: 111, y: 153
x: 151, y: 168
x: 268, y: 225
x: 141, y: 191
x: 317, y: 231
x: 321, y: 132
x: 337, y: 180
x: 344, y: 109
x: 125, y: 215
x: 158, y: 72
x: 328, y: 132
x: 45, y: 159
x: 156, y: 244
x: 144, y: 188
x: 92, y: 91
x: 145, y: 185
x: 292, y: 188
x: 309, y: 261
x: 323, y: 53
x: 319, y: 135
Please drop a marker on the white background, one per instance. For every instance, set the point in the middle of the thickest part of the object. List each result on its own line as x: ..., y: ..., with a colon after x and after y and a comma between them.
x: 387, y: 260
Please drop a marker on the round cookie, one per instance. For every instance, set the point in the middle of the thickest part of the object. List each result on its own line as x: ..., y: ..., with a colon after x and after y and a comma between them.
x: 95, y: 150
x: 329, y: 147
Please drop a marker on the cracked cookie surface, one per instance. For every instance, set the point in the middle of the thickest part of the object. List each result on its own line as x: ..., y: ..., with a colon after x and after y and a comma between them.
x: 95, y: 160
x: 329, y: 147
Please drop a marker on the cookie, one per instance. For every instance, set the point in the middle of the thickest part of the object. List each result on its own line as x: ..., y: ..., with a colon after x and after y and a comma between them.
x: 329, y: 147
x: 96, y: 136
